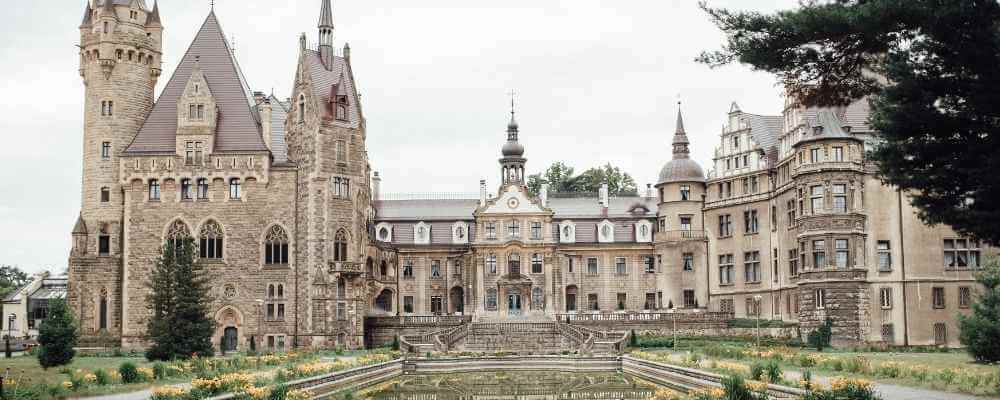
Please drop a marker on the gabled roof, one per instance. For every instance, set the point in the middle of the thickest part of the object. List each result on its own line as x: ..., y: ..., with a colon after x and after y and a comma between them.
x: 238, y: 128
x: 87, y: 15
x: 279, y: 114
x: 324, y: 79
x: 766, y: 132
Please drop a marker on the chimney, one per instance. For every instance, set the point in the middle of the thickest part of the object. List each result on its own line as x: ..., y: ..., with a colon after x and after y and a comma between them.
x: 265, y: 121
x: 604, y: 195
x: 302, y: 42
x: 544, y: 195
x: 482, y: 192
x: 649, y: 190
x: 376, y: 187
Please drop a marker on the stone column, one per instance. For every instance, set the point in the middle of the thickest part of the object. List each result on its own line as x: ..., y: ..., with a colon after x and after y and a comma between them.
x: 480, y: 289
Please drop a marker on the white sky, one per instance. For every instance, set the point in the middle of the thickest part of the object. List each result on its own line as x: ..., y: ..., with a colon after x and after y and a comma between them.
x: 597, y: 82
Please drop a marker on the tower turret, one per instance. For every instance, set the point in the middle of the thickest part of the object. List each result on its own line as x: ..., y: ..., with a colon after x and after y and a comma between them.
x: 325, y: 26
x: 512, y: 163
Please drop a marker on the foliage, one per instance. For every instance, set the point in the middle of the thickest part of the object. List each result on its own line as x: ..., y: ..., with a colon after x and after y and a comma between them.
x: 773, y: 371
x: 980, y: 330
x: 179, y: 326
x: 560, y: 178
x: 11, y: 278
x: 129, y: 373
x: 929, y: 70
x: 844, y: 389
x: 819, y: 338
x: 57, y: 336
x: 764, y: 323
x: 633, y: 340
x: 395, y: 343
x: 646, y: 341
x: 736, y: 389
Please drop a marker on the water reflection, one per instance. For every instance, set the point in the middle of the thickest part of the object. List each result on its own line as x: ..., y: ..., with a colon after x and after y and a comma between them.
x: 528, y: 385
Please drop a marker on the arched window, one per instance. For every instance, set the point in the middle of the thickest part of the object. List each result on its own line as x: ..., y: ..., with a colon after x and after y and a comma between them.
x: 340, y: 247
x: 176, y: 234
x: 341, y: 288
x: 302, y: 108
x: 342, y: 111
x: 270, y: 291
x: 154, y: 190
x: 210, y: 242
x: 103, y: 311
x: 281, y: 291
x: 235, y: 191
x: 276, y: 246
x: 491, y: 299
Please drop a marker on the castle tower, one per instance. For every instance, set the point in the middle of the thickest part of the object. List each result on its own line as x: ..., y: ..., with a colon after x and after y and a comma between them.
x: 120, y: 55
x: 512, y: 163
x: 680, y: 240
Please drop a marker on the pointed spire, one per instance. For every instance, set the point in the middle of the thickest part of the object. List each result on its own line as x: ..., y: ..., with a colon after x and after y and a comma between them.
x: 680, y: 142
x: 512, y: 127
x: 325, y: 15
x: 80, y: 228
x: 154, y: 16
x: 87, y: 12
x: 109, y: 5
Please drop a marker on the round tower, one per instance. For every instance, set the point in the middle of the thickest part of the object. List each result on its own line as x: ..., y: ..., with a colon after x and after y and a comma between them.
x: 120, y: 55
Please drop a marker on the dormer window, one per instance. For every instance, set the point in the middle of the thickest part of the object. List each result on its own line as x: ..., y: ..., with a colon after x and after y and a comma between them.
x: 193, y: 153
x: 196, y: 112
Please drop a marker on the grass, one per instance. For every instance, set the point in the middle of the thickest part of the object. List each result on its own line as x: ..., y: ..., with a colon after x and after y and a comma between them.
x: 28, y: 368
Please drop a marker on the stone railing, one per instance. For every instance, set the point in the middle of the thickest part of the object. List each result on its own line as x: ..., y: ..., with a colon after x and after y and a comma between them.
x: 687, y: 379
x: 417, y: 320
x: 681, y: 316
x: 680, y: 235
x: 341, y: 380
x: 449, y: 337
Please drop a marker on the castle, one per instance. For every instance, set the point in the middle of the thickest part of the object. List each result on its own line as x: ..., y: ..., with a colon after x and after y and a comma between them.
x: 301, y: 248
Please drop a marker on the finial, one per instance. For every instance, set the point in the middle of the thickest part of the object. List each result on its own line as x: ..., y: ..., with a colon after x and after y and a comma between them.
x: 512, y: 94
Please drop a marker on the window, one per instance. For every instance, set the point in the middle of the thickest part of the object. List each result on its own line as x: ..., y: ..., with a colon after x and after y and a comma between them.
x: 210, y: 240
x: 104, y: 245
x: 961, y: 253
x: 746, y: 160
x: 202, y: 189
x: 726, y: 269
x: 491, y: 264
x: 514, y: 264
x: 885, y: 297
x: 793, y: 262
x: 105, y: 195
x: 736, y: 143
x: 622, y: 301
x: 685, y: 192
x: 816, y: 199
x: 107, y: 108
x: 193, y: 153
x: 196, y: 112
x: 408, y: 304
x: 234, y: 189
x: 820, y: 299
x: 491, y: 230
x: 536, y: 263
x: 592, y: 266
x: 341, y: 151
x: 754, y: 187
x: 536, y: 231
x: 814, y: 156
x: 342, y: 111
x: 186, y: 191
x: 790, y: 207
x: 408, y: 269
x: 751, y: 266
x: 750, y: 224
x: 650, y: 303
x: 727, y: 306
x: 689, y: 300
x: 592, y: 301
x: 491, y: 299
x: 938, y: 297
x: 650, y: 262
x: 435, y: 268
x: 340, y: 246
x: 819, y: 254
x: 888, y: 333
x: 106, y: 150
x: 341, y: 187
x: 802, y: 255
x: 838, y: 154
x: 154, y: 190
x: 746, y: 185
x: 725, y: 225
x: 620, y: 268
x: 840, y: 198
x: 685, y: 223
x: 884, y: 255
x: 341, y: 311
x: 436, y: 305
x: 276, y: 246
x: 964, y: 297
x: 940, y: 334
x: 514, y: 229
x: 302, y: 108
x: 753, y: 307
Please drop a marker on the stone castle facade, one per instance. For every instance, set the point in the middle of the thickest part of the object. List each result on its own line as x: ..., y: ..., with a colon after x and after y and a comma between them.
x: 301, y: 249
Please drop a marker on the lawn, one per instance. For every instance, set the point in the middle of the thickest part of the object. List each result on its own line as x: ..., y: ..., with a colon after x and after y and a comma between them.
x: 26, y: 369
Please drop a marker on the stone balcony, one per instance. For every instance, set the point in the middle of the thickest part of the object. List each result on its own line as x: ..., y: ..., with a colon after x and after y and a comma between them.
x: 680, y: 236
x: 345, y: 267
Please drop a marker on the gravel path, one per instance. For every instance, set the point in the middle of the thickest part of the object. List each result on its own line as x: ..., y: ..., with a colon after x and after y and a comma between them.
x: 893, y: 392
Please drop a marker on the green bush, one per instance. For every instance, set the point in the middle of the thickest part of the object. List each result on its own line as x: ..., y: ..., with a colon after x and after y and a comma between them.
x: 736, y: 389
x: 756, y: 370
x: 819, y: 338
x: 395, y: 343
x: 57, y: 336
x: 857, y: 365
x: 103, y: 378
x: 159, y: 370
x: 633, y: 340
x: 980, y: 330
x: 129, y: 373
x: 803, y: 360
x: 653, y: 342
x: 773, y: 372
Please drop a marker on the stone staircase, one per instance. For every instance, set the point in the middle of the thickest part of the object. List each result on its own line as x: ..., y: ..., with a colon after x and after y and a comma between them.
x: 529, y: 334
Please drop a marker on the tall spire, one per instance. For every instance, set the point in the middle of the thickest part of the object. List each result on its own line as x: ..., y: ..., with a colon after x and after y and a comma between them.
x: 87, y: 15
x: 325, y: 15
x: 680, y: 141
x: 109, y: 5
x: 154, y: 16
x: 512, y: 128
x: 325, y: 26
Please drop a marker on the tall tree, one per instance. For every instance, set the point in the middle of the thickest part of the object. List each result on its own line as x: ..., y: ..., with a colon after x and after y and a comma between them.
x: 179, y: 325
x: 981, y: 330
x: 11, y: 278
x: 561, y: 180
x: 928, y: 68
x: 57, y: 336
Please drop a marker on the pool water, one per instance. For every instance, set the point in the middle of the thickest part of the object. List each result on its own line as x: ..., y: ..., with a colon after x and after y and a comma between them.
x: 508, y: 385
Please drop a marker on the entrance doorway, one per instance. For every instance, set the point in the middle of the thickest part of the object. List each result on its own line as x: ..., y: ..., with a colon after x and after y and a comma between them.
x: 229, y: 340
x: 457, y: 300
x: 571, y: 298
x: 514, y: 303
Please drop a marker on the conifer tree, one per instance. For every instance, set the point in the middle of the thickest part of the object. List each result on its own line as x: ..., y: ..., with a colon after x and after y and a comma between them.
x: 980, y: 332
x: 57, y: 336
x: 179, y: 325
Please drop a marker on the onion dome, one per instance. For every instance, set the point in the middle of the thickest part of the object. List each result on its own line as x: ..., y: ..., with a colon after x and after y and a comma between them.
x: 512, y: 148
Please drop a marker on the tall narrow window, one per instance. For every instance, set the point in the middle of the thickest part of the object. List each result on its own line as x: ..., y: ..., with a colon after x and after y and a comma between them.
x: 491, y: 230
x: 341, y: 314
x: 884, y: 256
x: 341, y: 288
x: 750, y: 222
x: 536, y: 231
x: 536, y: 263
x: 408, y: 304
x: 725, y: 225
x: 751, y: 266
x: 816, y: 198
x: 187, y: 192
x: 688, y: 261
x: 514, y: 264
x: 819, y: 254
x: 276, y: 246
x: 514, y: 229
x: 685, y: 223
x: 820, y: 299
x: 341, y: 150
x: 592, y: 300
x: 964, y: 297
x: 938, y: 297
x: 104, y: 244
x: 210, y: 240
x: 105, y: 195
x: 202, y: 189
x: 340, y: 246
x: 838, y: 154
x: 435, y: 268
x: 793, y: 262
x: 106, y: 150
x: 814, y: 156
x: 103, y: 324
x: 235, y: 191
x: 491, y: 263
x: 885, y: 297
x: 650, y: 264
x: 620, y: 266
x: 726, y: 269
x: 840, y: 198
x: 154, y: 190
x: 685, y: 192
x: 302, y: 108
x: 622, y: 301
x: 491, y: 299
x: 843, y: 254
x: 592, y: 266
x: 408, y: 269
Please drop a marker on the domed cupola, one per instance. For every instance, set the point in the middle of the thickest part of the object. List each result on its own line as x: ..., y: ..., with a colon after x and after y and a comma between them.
x: 512, y: 163
x: 681, y: 168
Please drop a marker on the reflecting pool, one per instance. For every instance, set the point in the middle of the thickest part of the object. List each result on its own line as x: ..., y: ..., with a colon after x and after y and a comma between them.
x: 508, y: 385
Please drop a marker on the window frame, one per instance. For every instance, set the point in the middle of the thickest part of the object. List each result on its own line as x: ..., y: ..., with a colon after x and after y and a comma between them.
x: 235, y: 189
x: 727, y: 270
x: 154, y: 190
x: 593, y: 266
x: 621, y: 266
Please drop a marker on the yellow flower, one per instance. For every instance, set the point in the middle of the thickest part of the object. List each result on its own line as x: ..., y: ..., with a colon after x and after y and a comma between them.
x: 67, y: 384
x: 90, y: 378
x: 146, y: 372
x: 757, y: 386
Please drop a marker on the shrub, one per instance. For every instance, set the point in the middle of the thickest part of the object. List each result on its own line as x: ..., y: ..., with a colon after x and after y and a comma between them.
x: 129, y: 373
x: 395, y: 343
x: 773, y: 371
x: 857, y: 365
x: 633, y: 340
x: 57, y: 336
x: 803, y: 360
x: 819, y: 338
x: 103, y: 378
x: 756, y: 370
x: 889, y: 369
x: 736, y: 389
x: 947, y: 375
x: 160, y: 371
x: 980, y: 330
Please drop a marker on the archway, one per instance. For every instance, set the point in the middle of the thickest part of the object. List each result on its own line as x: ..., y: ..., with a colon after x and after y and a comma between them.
x: 370, y: 266
x: 571, y: 293
x: 229, y: 339
x: 228, y: 323
x: 457, y: 300
x: 383, y: 302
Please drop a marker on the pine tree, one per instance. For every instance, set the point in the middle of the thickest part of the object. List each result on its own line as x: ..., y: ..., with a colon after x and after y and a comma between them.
x: 929, y: 69
x: 179, y: 326
x: 57, y: 336
x: 981, y: 330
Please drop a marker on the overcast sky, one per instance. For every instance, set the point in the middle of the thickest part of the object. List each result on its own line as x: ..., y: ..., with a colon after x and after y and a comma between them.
x: 597, y: 81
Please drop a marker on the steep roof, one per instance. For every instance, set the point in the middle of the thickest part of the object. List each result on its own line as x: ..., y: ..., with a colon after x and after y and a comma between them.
x: 279, y: 114
x: 324, y: 79
x: 766, y: 131
x: 462, y: 209
x: 238, y: 127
